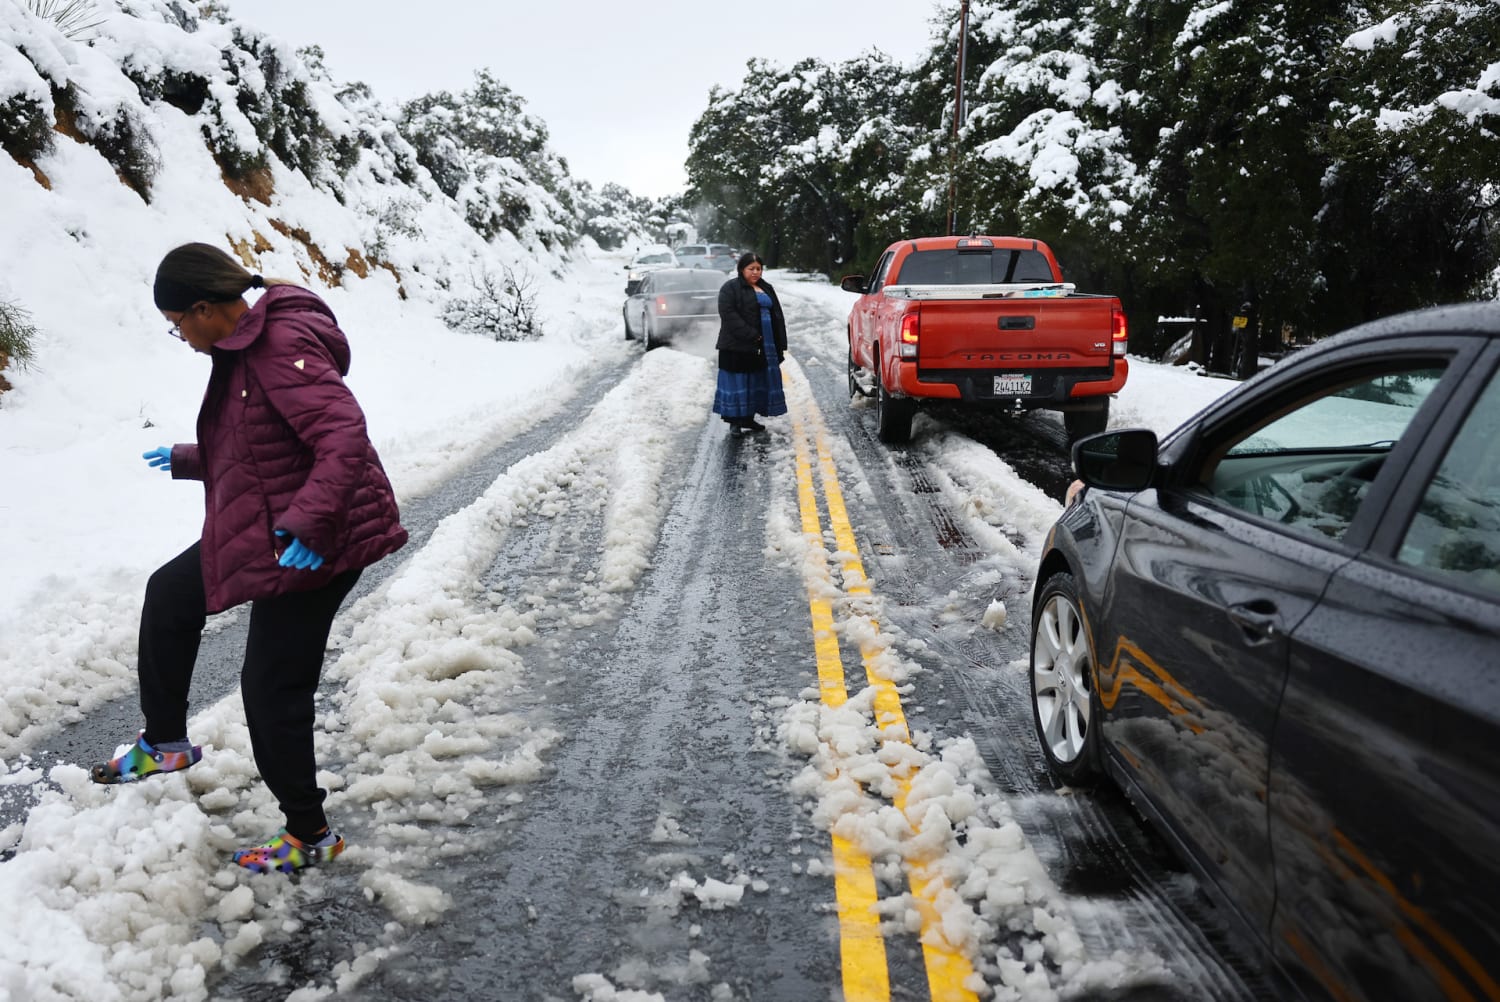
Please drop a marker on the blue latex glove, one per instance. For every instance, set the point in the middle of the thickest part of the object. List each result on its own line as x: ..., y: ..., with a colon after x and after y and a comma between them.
x: 298, y: 555
x: 159, y: 457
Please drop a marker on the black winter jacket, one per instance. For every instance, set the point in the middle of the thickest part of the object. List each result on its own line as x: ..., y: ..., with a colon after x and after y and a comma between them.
x: 741, y: 346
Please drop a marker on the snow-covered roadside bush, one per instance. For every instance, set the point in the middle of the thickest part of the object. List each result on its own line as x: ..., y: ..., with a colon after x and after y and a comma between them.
x: 501, y: 306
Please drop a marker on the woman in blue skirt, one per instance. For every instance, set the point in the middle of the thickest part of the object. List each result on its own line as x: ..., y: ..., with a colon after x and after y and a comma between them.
x: 752, y: 342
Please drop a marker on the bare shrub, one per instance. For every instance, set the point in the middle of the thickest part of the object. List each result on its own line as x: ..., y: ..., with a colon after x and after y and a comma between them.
x: 503, y: 306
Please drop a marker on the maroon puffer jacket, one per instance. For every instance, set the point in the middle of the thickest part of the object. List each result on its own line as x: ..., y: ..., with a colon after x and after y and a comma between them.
x: 282, y: 445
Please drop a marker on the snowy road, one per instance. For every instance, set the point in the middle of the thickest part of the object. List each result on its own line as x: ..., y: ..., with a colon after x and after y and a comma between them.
x: 646, y: 712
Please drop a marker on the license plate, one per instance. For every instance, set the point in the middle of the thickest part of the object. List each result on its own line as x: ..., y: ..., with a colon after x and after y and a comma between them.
x: 1013, y: 385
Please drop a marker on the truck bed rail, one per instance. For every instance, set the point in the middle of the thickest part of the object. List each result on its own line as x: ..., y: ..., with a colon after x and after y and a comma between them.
x: 1018, y: 290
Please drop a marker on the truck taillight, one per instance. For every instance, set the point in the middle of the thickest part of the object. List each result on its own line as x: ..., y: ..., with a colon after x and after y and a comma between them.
x: 1119, y: 332
x: 910, y: 328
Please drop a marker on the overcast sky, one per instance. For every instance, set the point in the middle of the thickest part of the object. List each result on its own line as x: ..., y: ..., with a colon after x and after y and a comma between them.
x: 618, y: 84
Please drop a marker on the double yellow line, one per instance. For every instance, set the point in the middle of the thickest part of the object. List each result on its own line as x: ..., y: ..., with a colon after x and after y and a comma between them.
x: 866, y: 973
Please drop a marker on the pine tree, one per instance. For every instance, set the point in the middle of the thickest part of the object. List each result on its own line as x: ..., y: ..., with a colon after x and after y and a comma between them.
x: 1414, y: 138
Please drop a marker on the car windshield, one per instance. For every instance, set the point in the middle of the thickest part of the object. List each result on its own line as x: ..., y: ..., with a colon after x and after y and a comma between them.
x: 689, y: 281
x: 655, y: 259
x: 690, y: 251
x: 955, y: 267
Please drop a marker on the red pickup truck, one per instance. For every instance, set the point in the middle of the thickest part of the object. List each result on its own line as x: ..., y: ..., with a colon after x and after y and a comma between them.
x: 982, y: 321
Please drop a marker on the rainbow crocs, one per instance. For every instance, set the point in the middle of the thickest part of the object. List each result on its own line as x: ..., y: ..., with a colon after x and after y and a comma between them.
x: 286, y: 853
x: 131, y: 762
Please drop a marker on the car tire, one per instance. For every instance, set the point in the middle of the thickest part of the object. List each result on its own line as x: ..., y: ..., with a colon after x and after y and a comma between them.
x: 1090, y: 420
x: 892, y: 414
x: 1065, y: 708
x: 648, y: 334
x: 626, y: 317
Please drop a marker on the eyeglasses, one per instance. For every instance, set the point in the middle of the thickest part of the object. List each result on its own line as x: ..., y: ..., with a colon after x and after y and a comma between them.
x: 176, y: 329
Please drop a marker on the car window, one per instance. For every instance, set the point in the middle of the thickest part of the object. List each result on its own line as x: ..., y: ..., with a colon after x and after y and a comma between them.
x: 690, y: 251
x: 646, y: 284
x: 955, y: 267
x: 1456, y: 531
x: 880, y: 269
x: 688, y: 281
x: 1310, y: 467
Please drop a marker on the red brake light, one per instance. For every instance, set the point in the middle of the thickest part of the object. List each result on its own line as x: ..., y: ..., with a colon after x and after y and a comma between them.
x: 910, y: 328
x: 661, y: 304
x: 1118, y: 332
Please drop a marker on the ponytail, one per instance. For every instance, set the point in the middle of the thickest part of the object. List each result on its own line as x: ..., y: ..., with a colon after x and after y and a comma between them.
x: 198, y: 273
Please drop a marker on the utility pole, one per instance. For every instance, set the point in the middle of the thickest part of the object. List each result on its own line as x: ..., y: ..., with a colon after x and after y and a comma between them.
x: 958, y: 117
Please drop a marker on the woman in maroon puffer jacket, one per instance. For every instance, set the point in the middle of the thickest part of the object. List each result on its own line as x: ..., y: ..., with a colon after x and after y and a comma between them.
x: 297, y: 504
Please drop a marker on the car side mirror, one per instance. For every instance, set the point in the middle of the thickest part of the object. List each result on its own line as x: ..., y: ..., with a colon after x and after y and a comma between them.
x: 854, y: 283
x: 1116, y: 460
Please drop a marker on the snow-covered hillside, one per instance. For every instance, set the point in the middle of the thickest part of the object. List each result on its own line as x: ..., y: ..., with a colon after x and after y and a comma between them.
x: 167, y: 126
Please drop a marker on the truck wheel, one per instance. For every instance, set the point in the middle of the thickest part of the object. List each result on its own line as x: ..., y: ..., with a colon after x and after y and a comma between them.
x: 1089, y: 421
x: 892, y: 415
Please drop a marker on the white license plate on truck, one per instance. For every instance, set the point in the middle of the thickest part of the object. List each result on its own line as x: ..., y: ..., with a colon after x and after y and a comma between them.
x: 1013, y: 384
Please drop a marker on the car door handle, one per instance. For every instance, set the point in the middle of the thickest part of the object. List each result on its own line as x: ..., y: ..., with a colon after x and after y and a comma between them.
x: 1259, y: 620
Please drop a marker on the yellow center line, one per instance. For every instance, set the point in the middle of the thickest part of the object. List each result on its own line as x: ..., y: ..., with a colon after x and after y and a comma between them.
x: 866, y: 974
x: 948, y: 970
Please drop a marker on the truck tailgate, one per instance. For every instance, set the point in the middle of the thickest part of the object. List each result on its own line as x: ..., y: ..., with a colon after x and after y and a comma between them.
x: 1053, y: 332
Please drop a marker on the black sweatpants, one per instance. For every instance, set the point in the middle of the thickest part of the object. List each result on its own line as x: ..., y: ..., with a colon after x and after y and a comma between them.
x: 283, y: 661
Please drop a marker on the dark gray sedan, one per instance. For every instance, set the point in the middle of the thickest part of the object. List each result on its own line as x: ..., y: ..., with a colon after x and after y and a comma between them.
x: 671, y: 301
x: 1278, y: 630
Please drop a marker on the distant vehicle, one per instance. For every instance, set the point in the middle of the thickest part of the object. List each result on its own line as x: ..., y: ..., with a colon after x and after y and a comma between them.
x: 647, y: 259
x: 720, y: 257
x: 983, y: 322
x: 1278, y: 630
x: 671, y: 301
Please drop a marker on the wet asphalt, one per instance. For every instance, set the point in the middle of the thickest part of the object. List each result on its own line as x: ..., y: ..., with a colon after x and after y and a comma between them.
x: 670, y: 770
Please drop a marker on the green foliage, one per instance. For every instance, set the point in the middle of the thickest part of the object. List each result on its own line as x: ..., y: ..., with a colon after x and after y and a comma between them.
x: 1411, y: 187
x: 779, y: 159
x: 613, y: 216
x: 25, y: 127
x: 16, y: 334
x: 119, y: 137
x: 483, y: 150
x: 186, y: 92
x: 273, y: 94
x: 487, y: 121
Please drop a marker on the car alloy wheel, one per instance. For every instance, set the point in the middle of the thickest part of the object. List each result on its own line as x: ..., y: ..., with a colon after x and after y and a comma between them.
x: 1063, y: 700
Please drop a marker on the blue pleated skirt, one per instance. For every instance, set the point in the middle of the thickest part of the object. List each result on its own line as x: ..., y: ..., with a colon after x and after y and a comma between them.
x: 740, y: 395
x: 746, y: 394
